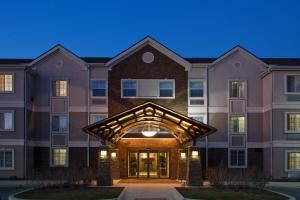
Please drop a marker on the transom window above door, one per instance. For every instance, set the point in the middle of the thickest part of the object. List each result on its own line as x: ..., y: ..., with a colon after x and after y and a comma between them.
x: 293, y: 84
x: 148, y: 88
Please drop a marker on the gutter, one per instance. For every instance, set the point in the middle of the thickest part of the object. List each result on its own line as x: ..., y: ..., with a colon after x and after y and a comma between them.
x: 88, y: 112
x: 25, y: 123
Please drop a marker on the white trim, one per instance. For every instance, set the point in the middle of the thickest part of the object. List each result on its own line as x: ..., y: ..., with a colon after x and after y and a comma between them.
x: 285, y: 122
x: 13, y: 159
x: 236, y: 49
x: 154, y: 44
x: 238, y: 149
x: 13, y: 121
x: 286, y: 160
x: 101, y: 109
x: 12, y: 142
x: 197, y: 109
x: 286, y: 143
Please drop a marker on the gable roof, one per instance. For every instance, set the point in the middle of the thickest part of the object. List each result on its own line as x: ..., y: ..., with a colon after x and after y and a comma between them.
x: 236, y: 49
x: 155, y: 44
x: 58, y: 48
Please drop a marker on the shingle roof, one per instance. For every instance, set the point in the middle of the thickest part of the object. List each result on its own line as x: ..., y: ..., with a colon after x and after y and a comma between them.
x: 270, y: 61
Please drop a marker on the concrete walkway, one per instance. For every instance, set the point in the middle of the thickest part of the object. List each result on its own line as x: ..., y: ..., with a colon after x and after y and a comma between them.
x: 147, y: 191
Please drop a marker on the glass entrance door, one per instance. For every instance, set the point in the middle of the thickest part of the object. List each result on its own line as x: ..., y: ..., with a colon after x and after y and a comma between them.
x: 148, y: 164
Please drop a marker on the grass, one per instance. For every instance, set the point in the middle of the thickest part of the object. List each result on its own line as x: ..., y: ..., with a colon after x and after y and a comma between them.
x: 228, y: 194
x: 86, y: 193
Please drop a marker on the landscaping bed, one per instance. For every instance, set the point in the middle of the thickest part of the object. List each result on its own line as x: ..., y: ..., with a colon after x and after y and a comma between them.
x: 72, y: 193
x: 228, y: 194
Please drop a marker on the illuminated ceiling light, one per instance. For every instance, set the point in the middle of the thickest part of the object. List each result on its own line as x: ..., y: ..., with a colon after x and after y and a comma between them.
x: 148, y: 132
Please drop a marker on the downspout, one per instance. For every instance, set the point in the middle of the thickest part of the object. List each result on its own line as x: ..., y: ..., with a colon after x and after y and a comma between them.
x: 271, y: 135
x: 25, y: 123
x: 88, y: 112
x: 207, y: 118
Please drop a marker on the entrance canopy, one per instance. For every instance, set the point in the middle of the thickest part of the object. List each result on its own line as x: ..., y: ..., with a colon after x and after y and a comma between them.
x: 149, y: 114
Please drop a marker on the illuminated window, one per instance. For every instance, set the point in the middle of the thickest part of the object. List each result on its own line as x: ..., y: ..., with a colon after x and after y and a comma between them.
x: 293, y: 122
x: 60, y: 123
x: 103, y: 154
x: 6, y: 82
x: 6, y: 120
x: 60, y: 88
x: 98, y: 88
x: 293, y: 160
x: 129, y: 88
x: 166, y: 89
x: 6, y: 159
x: 237, y: 89
x: 59, y: 157
x: 237, y: 124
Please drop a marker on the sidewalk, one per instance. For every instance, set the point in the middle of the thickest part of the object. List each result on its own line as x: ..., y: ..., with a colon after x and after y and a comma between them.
x: 284, y: 184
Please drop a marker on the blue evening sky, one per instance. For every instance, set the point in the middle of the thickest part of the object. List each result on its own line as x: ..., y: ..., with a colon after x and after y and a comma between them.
x: 267, y: 28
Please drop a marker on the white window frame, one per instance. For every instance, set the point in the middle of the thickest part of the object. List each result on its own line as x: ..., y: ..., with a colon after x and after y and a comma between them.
x: 13, y: 82
x: 13, y: 159
x: 67, y: 157
x: 245, y: 89
x: 285, y: 85
x: 106, y: 88
x: 166, y: 80
x: 286, y: 160
x: 286, y: 124
x: 60, y: 132
x: 153, y: 97
x: 197, y: 98
x: 13, y: 120
x: 237, y: 149
x: 237, y: 133
x: 199, y: 115
x: 96, y: 114
x: 58, y: 79
x: 137, y: 88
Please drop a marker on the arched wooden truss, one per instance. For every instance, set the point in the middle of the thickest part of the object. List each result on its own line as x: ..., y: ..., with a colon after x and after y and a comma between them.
x: 183, y: 128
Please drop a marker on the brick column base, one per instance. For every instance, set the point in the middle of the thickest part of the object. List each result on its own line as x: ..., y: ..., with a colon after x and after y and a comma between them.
x: 194, y: 168
x: 104, y: 175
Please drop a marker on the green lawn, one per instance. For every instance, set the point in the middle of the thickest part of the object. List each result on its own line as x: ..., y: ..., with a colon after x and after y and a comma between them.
x: 227, y: 194
x: 81, y: 193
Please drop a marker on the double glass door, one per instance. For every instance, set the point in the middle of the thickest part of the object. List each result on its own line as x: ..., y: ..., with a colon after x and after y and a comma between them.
x: 148, y: 164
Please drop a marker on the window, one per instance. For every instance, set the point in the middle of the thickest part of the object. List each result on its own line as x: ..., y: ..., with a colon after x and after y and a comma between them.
x: 98, y: 88
x: 200, y: 118
x: 237, y: 158
x: 293, y: 122
x: 97, y: 117
x: 60, y: 123
x: 293, y: 84
x: 237, y: 89
x: 196, y: 88
x: 6, y: 83
x: 6, y: 159
x: 6, y: 120
x: 293, y: 161
x: 129, y: 88
x: 60, y: 88
x: 166, y: 89
x: 59, y: 157
x: 237, y: 124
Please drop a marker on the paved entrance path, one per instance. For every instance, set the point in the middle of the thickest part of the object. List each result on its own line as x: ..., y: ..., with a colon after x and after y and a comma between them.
x: 150, y: 191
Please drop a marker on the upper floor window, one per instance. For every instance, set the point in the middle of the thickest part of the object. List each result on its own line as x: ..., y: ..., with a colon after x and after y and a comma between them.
x: 60, y: 88
x: 237, y: 158
x: 59, y: 157
x: 6, y: 83
x: 166, y: 89
x: 237, y: 89
x: 200, y: 118
x: 97, y: 117
x: 293, y: 84
x: 293, y: 161
x: 98, y: 88
x: 129, y: 88
x: 237, y: 124
x: 6, y: 120
x: 6, y: 159
x: 196, y: 88
x: 60, y: 123
x: 292, y: 122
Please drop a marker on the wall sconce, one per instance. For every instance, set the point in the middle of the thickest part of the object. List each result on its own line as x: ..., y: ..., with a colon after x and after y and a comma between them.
x: 113, y: 155
x: 195, y: 154
x: 182, y: 155
x: 103, y: 154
